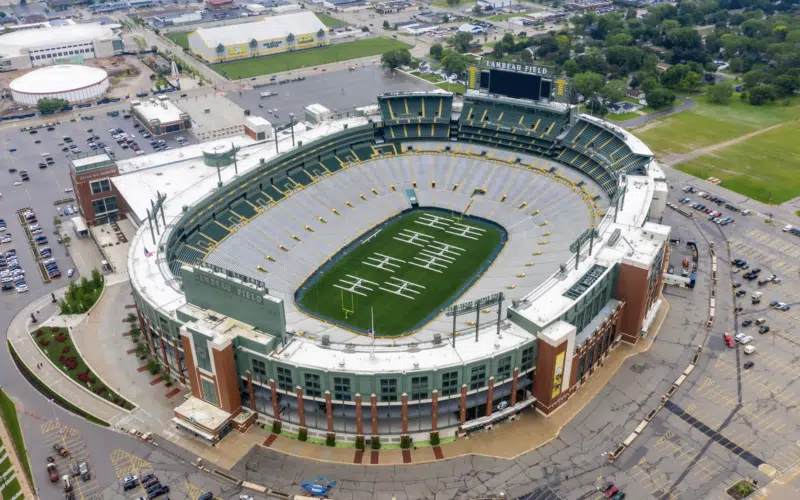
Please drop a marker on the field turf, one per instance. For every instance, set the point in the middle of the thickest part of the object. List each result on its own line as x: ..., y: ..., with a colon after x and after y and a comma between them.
x: 763, y: 164
x: 181, y: 38
x: 394, y: 314
x: 709, y: 124
x: 287, y: 61
x: 328, y: 20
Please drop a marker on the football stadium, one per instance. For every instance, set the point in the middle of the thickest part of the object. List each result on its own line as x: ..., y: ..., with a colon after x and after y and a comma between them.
x: 414, y: 269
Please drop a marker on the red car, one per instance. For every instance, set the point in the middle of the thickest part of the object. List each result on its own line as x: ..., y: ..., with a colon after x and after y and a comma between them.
x: 610, y: 493
x: 51, y: 470
x: 729, y: 340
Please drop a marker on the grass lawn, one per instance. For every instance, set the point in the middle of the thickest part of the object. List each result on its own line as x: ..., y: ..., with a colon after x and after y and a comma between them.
x: 426, y: 77
x: 57, y: 345
x: 181, y: 39
x: 712, y: 123
x: 287, y: 61
x: 328, y: 20
x: 455, y: 88
x: 443, y: 3
x: 621, y: 118
x: 399, y: 310
x: 769, y: 162
x: 505, y: 16
x: 12, y: 422
x: 12, y: 487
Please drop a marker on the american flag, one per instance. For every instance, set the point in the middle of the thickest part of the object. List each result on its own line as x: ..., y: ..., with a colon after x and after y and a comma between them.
x: 147, y: 253
x: 371, y: 333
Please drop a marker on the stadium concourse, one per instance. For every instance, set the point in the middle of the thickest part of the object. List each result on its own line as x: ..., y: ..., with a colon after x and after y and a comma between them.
x: 580, y: 272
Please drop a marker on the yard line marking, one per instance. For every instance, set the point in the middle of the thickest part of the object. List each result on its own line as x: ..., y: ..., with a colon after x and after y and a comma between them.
x: 433, y: 221
x: 402, y: 287
x: 354, y: 284
x: 464, y: 231
x: 384, y: 263
x: 413, y: 238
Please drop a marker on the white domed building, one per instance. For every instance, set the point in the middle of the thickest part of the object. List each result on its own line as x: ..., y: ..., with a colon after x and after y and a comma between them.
x: 71, y: 82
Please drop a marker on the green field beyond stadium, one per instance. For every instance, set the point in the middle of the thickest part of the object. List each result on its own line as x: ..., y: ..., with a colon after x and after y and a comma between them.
x: 406, y: 271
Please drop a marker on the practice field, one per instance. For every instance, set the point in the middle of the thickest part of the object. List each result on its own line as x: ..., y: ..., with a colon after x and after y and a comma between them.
x: 181, y: 38
x: 709, y: 124
x: 406, y: 272
x: 287, y: 61
x: 329, y: 20
x: 764, y: 164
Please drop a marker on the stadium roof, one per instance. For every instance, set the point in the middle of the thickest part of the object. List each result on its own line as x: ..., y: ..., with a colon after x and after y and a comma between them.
x: 14, y: 43
x: 266, y: 29
x: 60, y: 78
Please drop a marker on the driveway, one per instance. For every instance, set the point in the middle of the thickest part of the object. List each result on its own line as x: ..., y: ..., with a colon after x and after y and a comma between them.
x: 642, y: 120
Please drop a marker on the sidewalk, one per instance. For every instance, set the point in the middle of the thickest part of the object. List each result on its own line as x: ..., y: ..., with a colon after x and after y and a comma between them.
x: 30, y: 354
x: 19, y: 471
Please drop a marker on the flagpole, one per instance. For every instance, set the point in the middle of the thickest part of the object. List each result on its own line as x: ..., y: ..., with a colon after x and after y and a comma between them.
x: 372, y: 314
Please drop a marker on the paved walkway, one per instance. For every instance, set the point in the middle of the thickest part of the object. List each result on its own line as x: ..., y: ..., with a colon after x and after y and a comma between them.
x: 16, y: 465
x: 645, y: 119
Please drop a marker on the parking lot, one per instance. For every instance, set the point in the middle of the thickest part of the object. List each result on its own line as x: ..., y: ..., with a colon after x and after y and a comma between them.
x: 47, y: 185
x: 735, y: 417
x: 339, y: 90
x: 54, y: 435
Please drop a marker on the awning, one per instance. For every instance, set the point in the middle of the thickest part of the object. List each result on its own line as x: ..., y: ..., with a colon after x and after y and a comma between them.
x: 498, y: 415
x: 193, y: 429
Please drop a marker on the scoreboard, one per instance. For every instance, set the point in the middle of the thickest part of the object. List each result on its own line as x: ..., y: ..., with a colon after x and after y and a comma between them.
x: 521, y: 81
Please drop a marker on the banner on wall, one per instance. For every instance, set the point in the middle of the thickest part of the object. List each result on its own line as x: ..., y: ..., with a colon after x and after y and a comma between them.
x: 558, y: 375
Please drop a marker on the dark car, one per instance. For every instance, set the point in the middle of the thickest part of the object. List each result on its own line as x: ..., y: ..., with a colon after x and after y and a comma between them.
x: 737, y: 285
x: 747, y: 322
x: 773, y: 303
x: 755, y: 301
x: 209, y: 496
x: 163, y: 490
x: 755, y: 271
x: 749, y: 365
x: 763, y: 329
x: 147, y: 483
x: 147, y: 478
x: 740, y: 293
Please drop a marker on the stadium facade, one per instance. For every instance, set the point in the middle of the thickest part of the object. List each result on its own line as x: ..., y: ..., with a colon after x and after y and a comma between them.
x: 271, y: 35
x: 216, y: 269
x: 69, y: 43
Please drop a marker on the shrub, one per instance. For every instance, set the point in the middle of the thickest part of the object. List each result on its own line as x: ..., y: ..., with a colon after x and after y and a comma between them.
x: 39, y: 332
x: 405, y: 442
x: 302, y: 435
x: 66, y: 348
x: 276, y: 427
x: 61, y: 337
x: 330, y: 440
x: 100, y: 389
x: 375, y: 443
x: 153, y: 366
x: 360, y: 443
x: 44, y: 342
x: 434, y: 439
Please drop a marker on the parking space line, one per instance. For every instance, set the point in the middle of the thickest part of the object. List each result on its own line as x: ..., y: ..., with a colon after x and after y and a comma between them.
x: 704, y: 467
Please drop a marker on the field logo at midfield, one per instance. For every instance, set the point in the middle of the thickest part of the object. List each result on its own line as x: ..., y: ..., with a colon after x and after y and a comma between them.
x: 384, y: 262
x: 403, y: 288
x: 354, y: 284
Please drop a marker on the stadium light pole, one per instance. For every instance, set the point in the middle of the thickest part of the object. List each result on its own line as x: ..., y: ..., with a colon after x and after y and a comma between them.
x: 291, y: 117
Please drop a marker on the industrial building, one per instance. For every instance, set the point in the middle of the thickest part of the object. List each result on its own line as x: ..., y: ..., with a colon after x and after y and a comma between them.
x: 73, y: 83
x: 271, y: 35
x: 160, y: 116
x: 69, y: 43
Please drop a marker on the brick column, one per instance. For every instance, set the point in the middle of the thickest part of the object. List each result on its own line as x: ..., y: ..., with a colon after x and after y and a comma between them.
x: 514, y: 383
x: 274, y: 393
x: 404, y: 414
x: 301, y: 410
x: 463, y: 403
x: 359, y: 416
x: 329, y: 411
x: 251, y: 392
x: 373, y: 401
x: 163, y: 349
x: 180, y: 365
x: 490, y: 397
x: 435, y: 411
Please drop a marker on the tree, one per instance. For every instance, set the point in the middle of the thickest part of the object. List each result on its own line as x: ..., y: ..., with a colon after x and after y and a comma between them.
x: 321, y: 36
x: 720, y: 93
x: 614, y: 90
x: 526, y: 56
x: 396, y: 58
x: 253, y: 46
x: 762, y: 94
x: 436, y: 51
x: 386, y: 24
x: 571, y: 67
x: 659, y: 97
x: 786, y: 85
x: 690, y: 81
x: 453, y: 62
x: 752, y: 78
x: 588, y: 84
x: 461, y: 41
x: 47, y: 104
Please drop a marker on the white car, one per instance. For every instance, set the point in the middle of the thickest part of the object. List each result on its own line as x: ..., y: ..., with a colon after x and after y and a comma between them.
x: 18, y: 183
x: 787, y: 228
x: 68, y: 190
x: 22, y: 288
x: 70, y: 274
x: 746, y: 340
x: 739, y: 336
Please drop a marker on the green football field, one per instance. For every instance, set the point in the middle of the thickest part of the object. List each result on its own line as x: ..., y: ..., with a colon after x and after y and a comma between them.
x: 409, y: 270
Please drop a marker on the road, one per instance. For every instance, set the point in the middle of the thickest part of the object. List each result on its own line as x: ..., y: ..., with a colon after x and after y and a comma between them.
x: 645, y: 119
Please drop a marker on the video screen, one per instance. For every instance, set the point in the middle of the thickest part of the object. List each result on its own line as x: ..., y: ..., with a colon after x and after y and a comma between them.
x: 519, y: 85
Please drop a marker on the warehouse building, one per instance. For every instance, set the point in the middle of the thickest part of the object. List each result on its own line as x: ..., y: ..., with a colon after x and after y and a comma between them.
x: 71, y: 43
x: 272, y: 35
x: 160, y: 116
